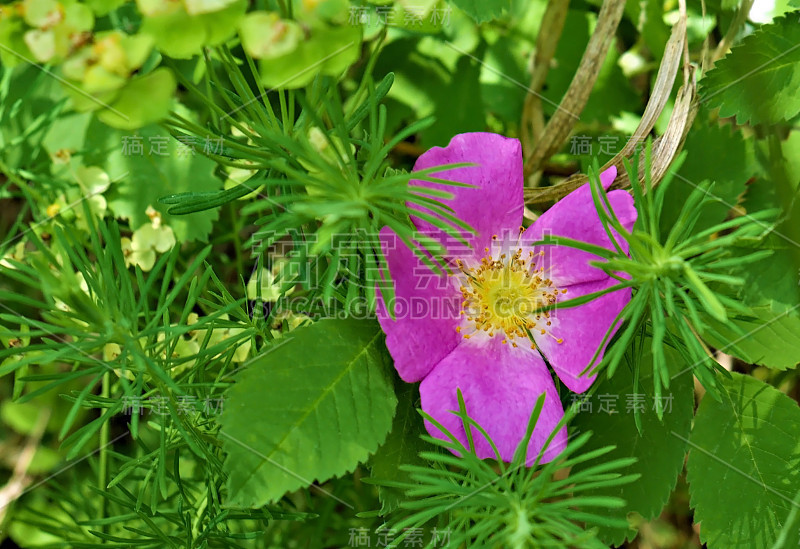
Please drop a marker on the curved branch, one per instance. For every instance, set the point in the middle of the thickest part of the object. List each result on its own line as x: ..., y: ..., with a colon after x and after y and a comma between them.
x: 666, y: 146
x: 560, y: 125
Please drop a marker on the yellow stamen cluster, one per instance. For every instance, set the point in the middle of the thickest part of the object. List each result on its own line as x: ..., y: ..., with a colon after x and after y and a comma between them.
x: 505, y: 295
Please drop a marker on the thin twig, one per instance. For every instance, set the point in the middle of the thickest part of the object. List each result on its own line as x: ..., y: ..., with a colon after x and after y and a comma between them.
x: 546, y: 43
x: 733, y: 30
x: 560, y: 125
x: 667, y: 145
x: 20, y: 479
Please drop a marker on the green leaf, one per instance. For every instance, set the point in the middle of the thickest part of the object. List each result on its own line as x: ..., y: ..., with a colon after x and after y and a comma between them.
x: 195, y: 30
x: 742, y: 468
x: 12, y: 36
x: 328, y: 51
x: 483, y: 10
x: 44, y: 460
x: 648, y: 16
x: 771, y: 339
x: 502, y: 69
x: 21, y: 417
x: 402, y: 447
x: 660, y: 456
x: 221, y: 25
x: 161, y: 167
x: 428, y: 87
x: 195, y: 7
x: 32, y: 102
x: 142, y: 101
x: 730, y: 177
x: 758, y: 80
x: 183, y: 44
x: 265, y: 34
x: 307, y: 410
x: 768, y: 282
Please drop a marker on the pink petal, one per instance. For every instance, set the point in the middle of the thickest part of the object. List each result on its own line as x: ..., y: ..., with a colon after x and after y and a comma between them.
x: 500, y: 386
x: 427, y: 311
x: 582, y: 329
x: 495, y: 202
x: 575, y: 217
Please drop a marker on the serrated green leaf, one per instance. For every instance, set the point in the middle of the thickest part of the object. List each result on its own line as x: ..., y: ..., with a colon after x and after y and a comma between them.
x: 771, y: 339
x: 309, y: 409
x: 746, y: 445
x: 767, y: 282
x: 707, y: 141
x: 659, y: 455
x: 758, y: 80
x: 402, y: 447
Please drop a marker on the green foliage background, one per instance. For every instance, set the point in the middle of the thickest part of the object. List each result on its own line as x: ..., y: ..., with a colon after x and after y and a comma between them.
x: 190, y: 195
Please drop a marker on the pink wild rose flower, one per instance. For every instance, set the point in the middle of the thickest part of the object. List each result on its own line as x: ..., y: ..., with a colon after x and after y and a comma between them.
x: 481, y: 329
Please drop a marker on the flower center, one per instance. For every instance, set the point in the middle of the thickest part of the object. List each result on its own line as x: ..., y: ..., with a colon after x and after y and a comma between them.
x: 507, y: 294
